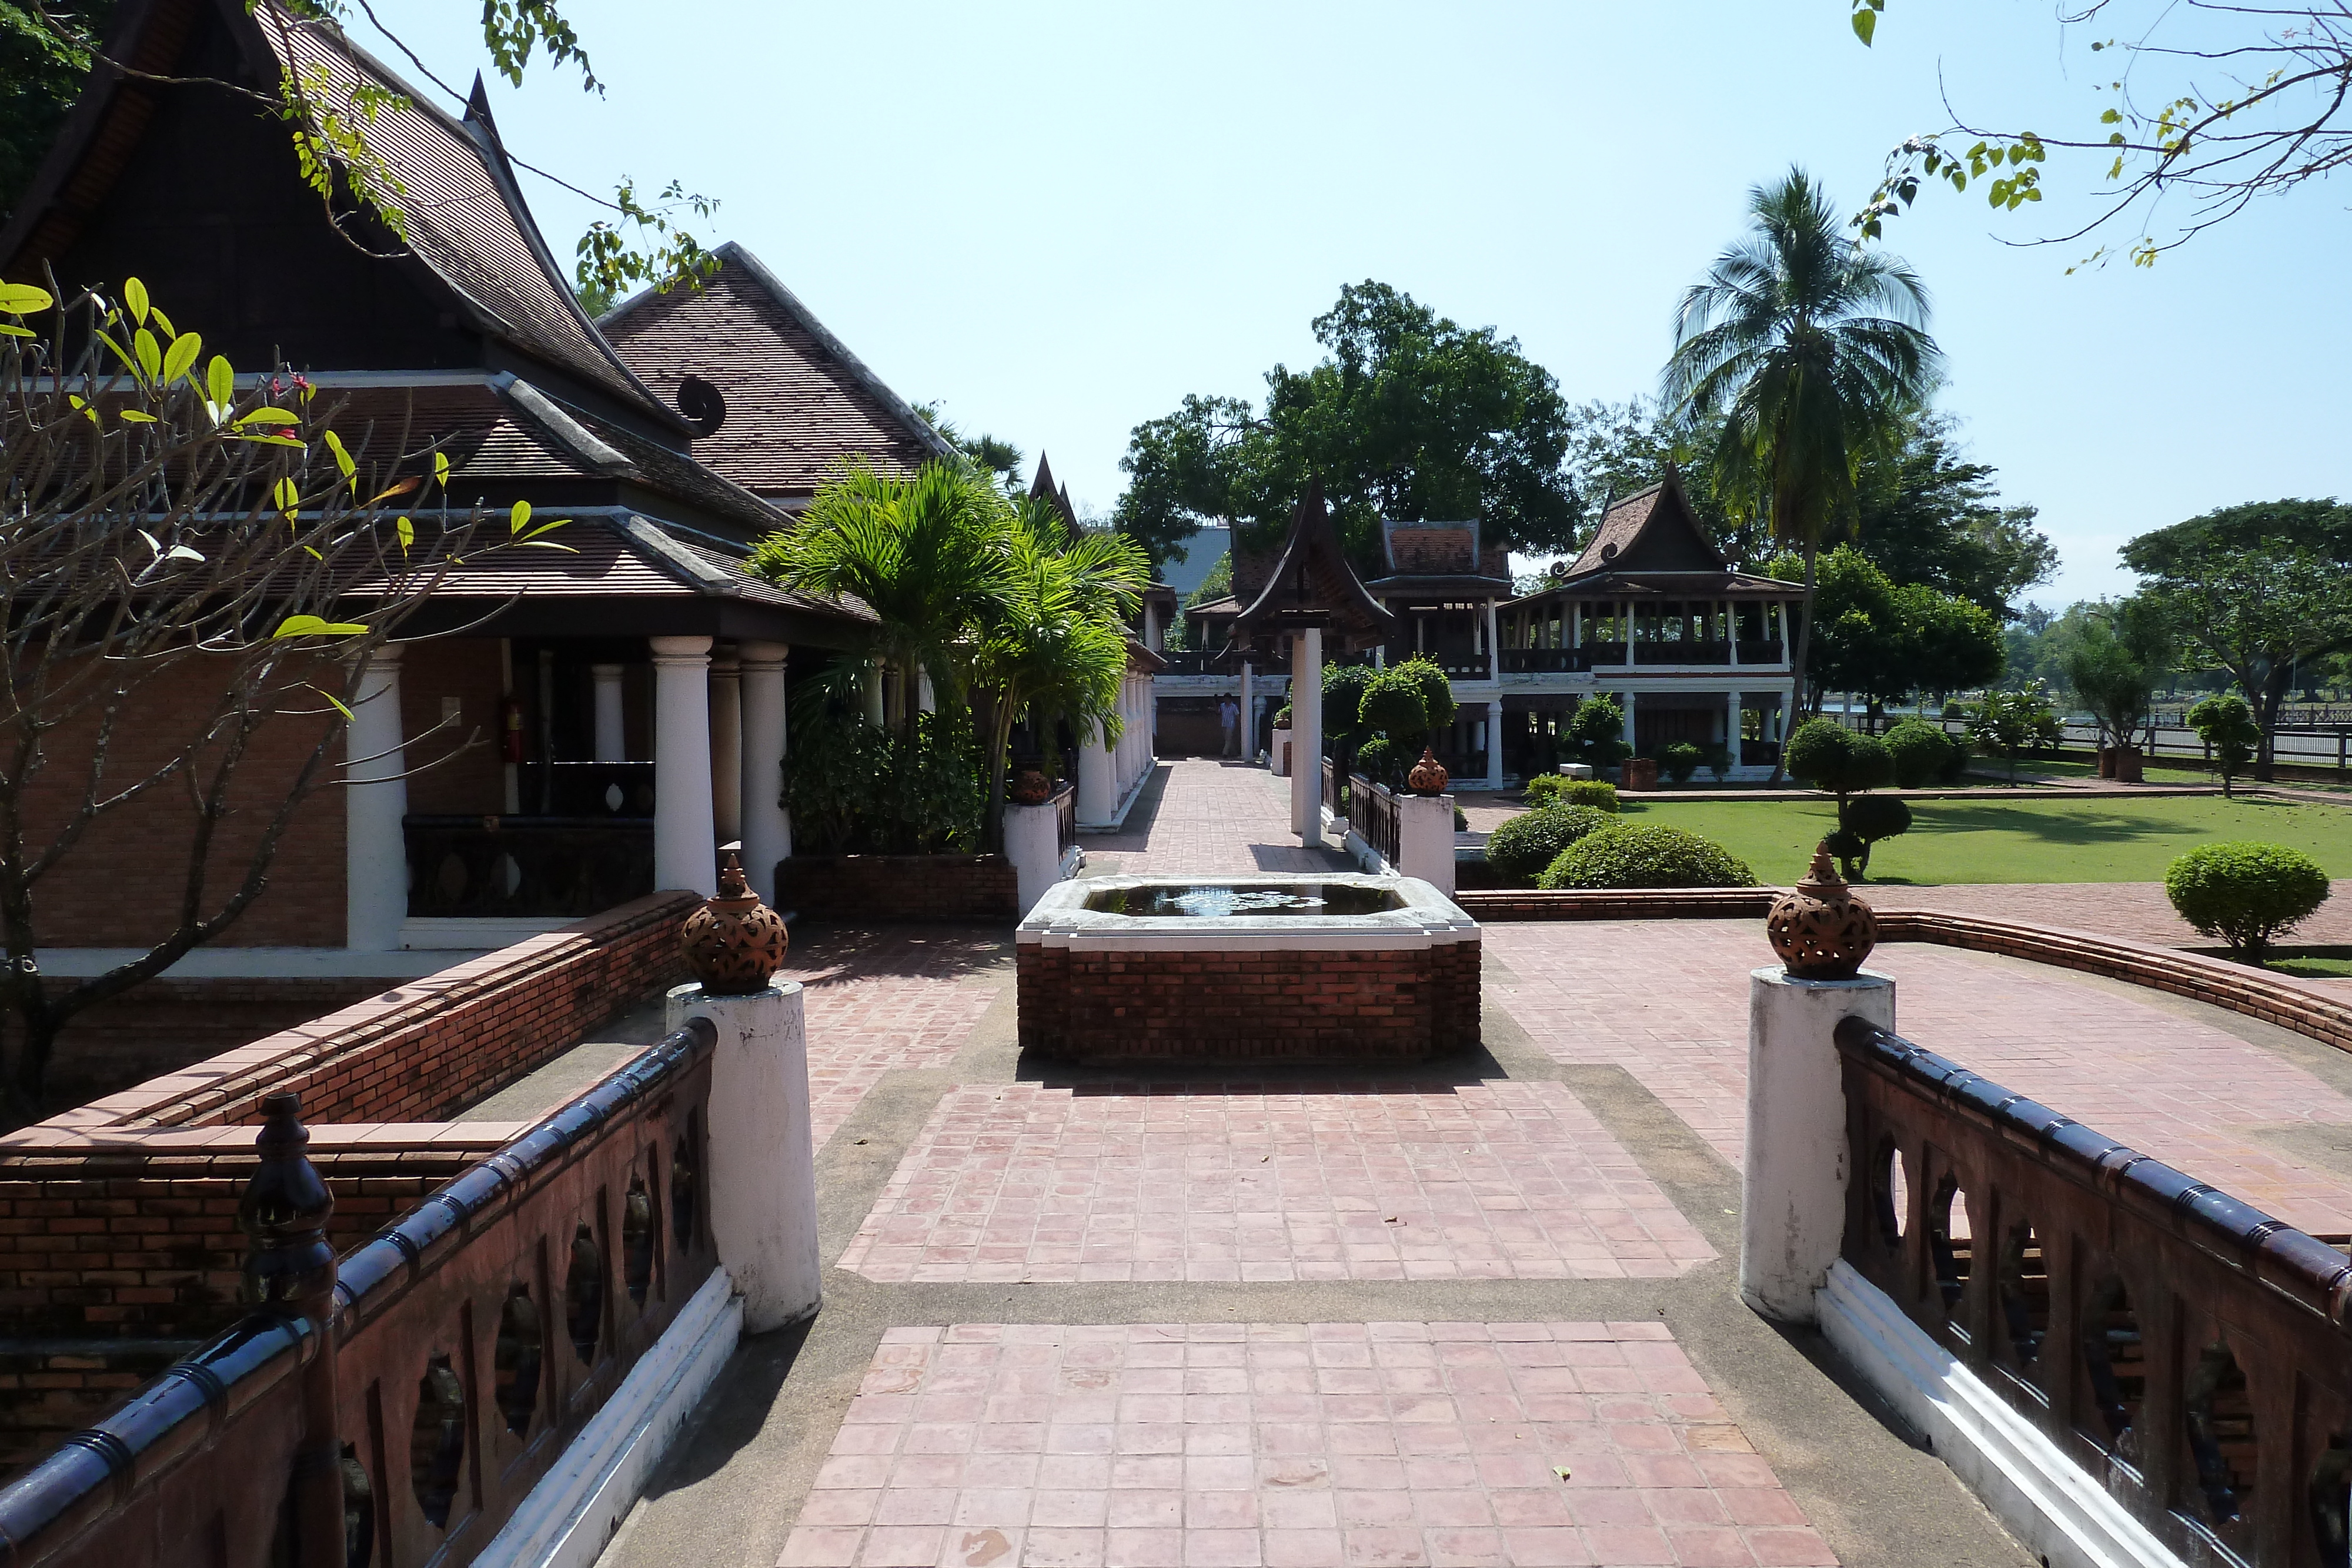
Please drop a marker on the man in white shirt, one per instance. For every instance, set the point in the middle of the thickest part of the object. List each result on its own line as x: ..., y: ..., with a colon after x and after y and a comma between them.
x: 1229, y: 718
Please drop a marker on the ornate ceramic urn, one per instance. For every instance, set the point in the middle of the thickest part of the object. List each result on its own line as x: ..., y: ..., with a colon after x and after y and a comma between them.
x: 1820, y: 931
x: 1428, y: 775
x: 734, y: 944
x: 1030, y: 787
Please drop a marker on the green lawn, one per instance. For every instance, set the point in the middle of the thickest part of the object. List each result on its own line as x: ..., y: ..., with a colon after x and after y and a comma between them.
x: 2090, y: 840
x: 2314, y: 968
x: 2064, y: 768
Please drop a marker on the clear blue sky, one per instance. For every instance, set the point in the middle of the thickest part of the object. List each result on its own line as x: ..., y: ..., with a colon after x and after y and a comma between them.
x: 1060, y: 219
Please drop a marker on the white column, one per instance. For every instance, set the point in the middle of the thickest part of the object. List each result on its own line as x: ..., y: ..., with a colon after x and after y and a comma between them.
x: 1793, y: 1212
x: 727, y: 747
x: 375, y: 848
x: 767, y: 830
x: 1306, y: 737
x: 510, y: 773
x: 1249, y: 717
x: 1576, y: 623
x: 1033, y: 842
x: 1731, y: 627
x: 1098, y: 787
x: 1494, y: 645
x: 763, y: 1163
x: 610, y: 743
x: 1626, y: 700
x: 925, y: 702
x: 1625, y: 625
x: 1494, y: 744
x: 872, y: 688
x: 1425, y: 840
x: 684, y: 835
x: 1731, y: 727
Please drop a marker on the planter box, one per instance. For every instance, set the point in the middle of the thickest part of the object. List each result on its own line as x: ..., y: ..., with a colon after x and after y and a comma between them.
x: 1639, y: 773
x: 963, y: 889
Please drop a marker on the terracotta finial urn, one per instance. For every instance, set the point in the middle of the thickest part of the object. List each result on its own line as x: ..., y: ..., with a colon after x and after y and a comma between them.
x: 1031, y: 787
x: 734, y: 944
x: 1820, y: 931
x: 1428, y: 775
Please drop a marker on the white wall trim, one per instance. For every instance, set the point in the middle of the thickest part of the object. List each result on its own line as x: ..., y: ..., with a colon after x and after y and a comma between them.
x: 464, y: 932
x: 2044, y: 1499
x: 570, y: 1515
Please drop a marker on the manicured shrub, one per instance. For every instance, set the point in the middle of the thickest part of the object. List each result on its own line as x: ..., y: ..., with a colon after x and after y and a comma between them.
x: 1598, y: 727
x: 1394, y: 707
x: 1828, y: 755
x: 1921, y: 752
x: 1383, y: 761
x: 1545, y: 790
x: 1868, y: 820
x: 1598, y: 793
x: 1956, y: 757
x: 1518, y: 850
x: 1717, y: 756
x: 2245, y: 894
x: 2226, y: 724
x: 1680, y: 760
x: 1631, y: 855
x: 1428, y: 677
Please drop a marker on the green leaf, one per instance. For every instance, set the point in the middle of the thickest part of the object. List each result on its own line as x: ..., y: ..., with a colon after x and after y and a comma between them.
x: 134, y: 294
x: 338, y: 707
x: 220, y: 380
x: 23, y: 298
x: 1865, y: 23
x: 10, y: 330
x: 406, y: 532
x: 441, y: 468
x: 548, y: 544
x: 163, y: 320
x: 266, y: 439
x: 517, y: 516
x: 342, y: 458
x: 135, y: 417
x: 182, y: 356
x: 287, y: 495
x: 151, y: 353
x: 316, y: 626
x: 269, y: 416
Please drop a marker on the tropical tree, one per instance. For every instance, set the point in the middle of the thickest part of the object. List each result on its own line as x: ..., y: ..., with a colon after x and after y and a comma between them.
x: 1813, y: 352
x: 2114, y: 666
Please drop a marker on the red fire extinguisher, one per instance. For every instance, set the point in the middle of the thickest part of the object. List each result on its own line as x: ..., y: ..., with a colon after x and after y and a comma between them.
x: 510, y: 742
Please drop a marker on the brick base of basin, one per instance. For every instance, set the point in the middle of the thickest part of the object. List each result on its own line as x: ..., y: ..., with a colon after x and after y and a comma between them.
x: 1397, y: 986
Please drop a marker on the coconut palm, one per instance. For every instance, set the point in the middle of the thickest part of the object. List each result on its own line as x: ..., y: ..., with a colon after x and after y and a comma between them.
x: 926, y: 552
x: 1812, y: 351
x: 1054, y: 640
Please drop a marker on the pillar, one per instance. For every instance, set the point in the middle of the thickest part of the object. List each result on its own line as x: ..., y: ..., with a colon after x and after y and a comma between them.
x: 1731, y: 727
x: 763, y: 1165
x: 1626, y: 700
x: 1033, y: 842
x: 767, y: 830
x: 727, y: 746
x: 609, y: 744
x: 1494, y: 744
x: 1306, y: 737
x: 1425, y: 840
x: 1097, y: 788
x: 873, y: 692
x: 1249, y: 715
x: 683, y: 830
x: 1794, y: 1176
x: 1494, y: 646
x: 375, y: 847
x: 925, y: 700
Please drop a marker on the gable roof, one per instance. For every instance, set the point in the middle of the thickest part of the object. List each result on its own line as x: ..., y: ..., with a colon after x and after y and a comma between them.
x: 1312, y: 585
x: 1043, y: 489
x: 468, y: 237
x: 798, y: 402
x: 1650, y: 531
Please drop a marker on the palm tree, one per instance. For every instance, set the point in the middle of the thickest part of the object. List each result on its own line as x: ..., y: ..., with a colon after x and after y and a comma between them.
x: 1812, y: 351
x: 925, y: 552
x: 1054, y: 642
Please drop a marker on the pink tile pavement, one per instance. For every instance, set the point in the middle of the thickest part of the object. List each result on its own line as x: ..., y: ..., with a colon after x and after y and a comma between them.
x: 1213, y: 817
x: 1245, y: 1181
x: 880, y: 1000
x: 1292, y: 1445
x: 2183, y: 1090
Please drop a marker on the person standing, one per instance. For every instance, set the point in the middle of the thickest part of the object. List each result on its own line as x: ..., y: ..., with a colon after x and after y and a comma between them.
x: 1229, y: 719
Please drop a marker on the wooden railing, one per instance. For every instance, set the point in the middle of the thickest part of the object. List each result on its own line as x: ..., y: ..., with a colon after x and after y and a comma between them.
x: 465, y: 1347
x: 1065, y: 801
x: 1331, y: 788
x: 1374, y: 816
x: 2188, y: 1351
x: 524, y: 866
x: 587, y: 788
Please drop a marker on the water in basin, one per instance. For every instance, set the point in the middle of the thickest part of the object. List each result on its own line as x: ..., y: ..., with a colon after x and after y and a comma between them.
x: 1222, y: 902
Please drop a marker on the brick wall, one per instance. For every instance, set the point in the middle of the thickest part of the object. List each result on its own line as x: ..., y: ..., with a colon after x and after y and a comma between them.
x: 964, y: 890
x: 167, y: 1024
x: 1618, y: 903
x: 1156, y: 1005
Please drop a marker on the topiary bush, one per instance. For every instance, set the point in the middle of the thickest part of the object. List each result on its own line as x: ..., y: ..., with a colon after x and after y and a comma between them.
x: 1518, y: 850
x: 1545, y: 790
x: 1383, y: 761
x: 1631, y: 855
x: 1921, y: 752
x: 1598, y: 793
x: 2245, y: 894
x: 1680, y: 760
x: 1828, y: 755
x: 1393, y: 705
x: 1868, y: 820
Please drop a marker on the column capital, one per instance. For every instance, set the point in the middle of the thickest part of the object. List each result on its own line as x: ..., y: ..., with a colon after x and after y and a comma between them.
x: 680, y: 650
x: 725, y: 666
x: 606, y: 672
x: 763, y: 654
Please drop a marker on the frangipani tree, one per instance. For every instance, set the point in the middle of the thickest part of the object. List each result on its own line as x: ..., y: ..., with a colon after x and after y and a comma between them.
x: 1812, y: 351
x: 190, y: 565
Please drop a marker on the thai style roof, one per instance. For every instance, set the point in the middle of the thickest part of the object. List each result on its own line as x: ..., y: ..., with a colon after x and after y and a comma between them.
x: 1312, y: 586
x: 1440, y: 556
x: 796, y: 404
x: 1044, y: 489
x: 1650, y: 545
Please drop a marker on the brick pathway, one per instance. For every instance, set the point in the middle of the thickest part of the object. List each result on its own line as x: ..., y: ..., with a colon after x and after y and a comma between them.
x: 1238, y: 1181
x: 884, y: 1000
x: 2187, y: 1092
x: 1292, y: 1445
x: 1207, y: 816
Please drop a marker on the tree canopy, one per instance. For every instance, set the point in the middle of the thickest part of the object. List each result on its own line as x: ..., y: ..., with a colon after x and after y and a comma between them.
x: 1409, y: 415
x: 1884, y: 640
x: 1925, y: 514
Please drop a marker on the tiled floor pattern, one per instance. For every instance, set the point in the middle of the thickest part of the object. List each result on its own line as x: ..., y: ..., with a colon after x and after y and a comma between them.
x: 1243, y: 1181
x: 1292, y: 1445
x: 882, y: 1000
x: 2182, y: 1090
x: 1214, y: 817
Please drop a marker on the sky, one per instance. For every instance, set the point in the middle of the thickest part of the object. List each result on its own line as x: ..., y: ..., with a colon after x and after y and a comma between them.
x: 1059, y: 219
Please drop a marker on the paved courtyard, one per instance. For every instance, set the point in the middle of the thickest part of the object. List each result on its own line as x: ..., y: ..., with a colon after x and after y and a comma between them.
x: 1477, y: 1313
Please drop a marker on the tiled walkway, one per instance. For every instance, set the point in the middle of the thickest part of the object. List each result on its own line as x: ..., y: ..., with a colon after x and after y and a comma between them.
x: 2185, y: 1092
x: 1217, y: 817
x: 1241, y: 1181
x: 1292, y: 1445
x: 882, y: 1000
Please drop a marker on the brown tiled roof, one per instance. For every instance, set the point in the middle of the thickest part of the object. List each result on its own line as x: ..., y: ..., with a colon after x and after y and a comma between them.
x: 1649, y: 530
x: 799, y: 403
x: 1664, y: 585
